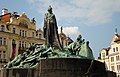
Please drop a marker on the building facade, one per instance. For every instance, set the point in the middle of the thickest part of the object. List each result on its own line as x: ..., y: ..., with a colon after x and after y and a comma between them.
x: 17, y: 32
x: 111, y: 55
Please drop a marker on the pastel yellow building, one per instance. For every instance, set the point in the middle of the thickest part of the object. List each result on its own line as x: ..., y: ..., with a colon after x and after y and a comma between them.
x: 17, y: 32
x: 111, y: 56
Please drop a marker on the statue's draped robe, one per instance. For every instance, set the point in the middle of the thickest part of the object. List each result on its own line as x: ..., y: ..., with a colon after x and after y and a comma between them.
x: 51, y: 31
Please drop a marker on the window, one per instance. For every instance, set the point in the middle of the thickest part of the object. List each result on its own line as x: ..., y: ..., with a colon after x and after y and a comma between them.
x: 112, y: 59
x: 20, y: 32
x: 32, y: 43
x: 118, y: 67
x: 2, y: 28
x: 112, y: 68
x: 13, y: 41
x: 19, y: 43
x: 103, y: 55
x: 23, y: 44
x: 39, y: 36
x: 25, y: 33
x: 0, y: 40
x: 4, y: 55
x: 4, y: 41
x: 107, y: 53
x: 32, y: 34
x: 14, y: 30
x: 117, y: 58
x: 0, y: 54
x: 113, y: 49
x: 116, y: 48
x: 23, y: 24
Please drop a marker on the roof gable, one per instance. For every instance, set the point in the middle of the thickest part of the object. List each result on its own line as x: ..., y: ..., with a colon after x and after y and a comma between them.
x: 116, y: 38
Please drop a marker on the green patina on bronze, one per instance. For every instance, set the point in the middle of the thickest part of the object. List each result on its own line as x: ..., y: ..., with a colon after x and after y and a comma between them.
x: 52, y: 49
x: 30, y: 58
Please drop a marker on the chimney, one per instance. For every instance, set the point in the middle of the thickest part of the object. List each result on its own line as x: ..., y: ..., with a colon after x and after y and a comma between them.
x: 4, y: 11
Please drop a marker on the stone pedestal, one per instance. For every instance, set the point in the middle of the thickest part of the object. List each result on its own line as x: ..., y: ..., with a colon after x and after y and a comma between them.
x: 17, y: 72
x: 71, y: 67
x: 60, y: 67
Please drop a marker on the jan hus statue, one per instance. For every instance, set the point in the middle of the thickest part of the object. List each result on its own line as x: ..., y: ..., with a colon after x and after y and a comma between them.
x: 51, y: 30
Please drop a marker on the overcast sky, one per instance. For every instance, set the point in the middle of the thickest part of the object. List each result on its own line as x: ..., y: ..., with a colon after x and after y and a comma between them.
x: 95, y: 20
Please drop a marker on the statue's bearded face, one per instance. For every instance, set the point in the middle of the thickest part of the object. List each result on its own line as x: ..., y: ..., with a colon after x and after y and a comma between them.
x: 50, y: 10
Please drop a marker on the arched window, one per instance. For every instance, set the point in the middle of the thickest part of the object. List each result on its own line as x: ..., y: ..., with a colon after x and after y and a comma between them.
x: 13, y: 41
x: 2, y: 28
x: 23, y: 24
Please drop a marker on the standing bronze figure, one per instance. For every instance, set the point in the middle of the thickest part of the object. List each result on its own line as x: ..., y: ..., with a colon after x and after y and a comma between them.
x: 51, y: 30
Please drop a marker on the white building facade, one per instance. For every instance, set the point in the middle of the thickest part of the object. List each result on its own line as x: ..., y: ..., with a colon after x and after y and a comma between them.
x: 111, y: 55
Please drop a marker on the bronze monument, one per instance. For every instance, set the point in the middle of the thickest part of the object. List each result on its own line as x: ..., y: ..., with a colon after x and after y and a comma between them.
x: 52, y: 49
x: 51, y: 60
x: 51, y: 30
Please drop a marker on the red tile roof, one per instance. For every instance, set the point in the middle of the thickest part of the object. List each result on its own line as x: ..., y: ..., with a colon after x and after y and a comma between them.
x: 5, y: 17
x: 106, y: 49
